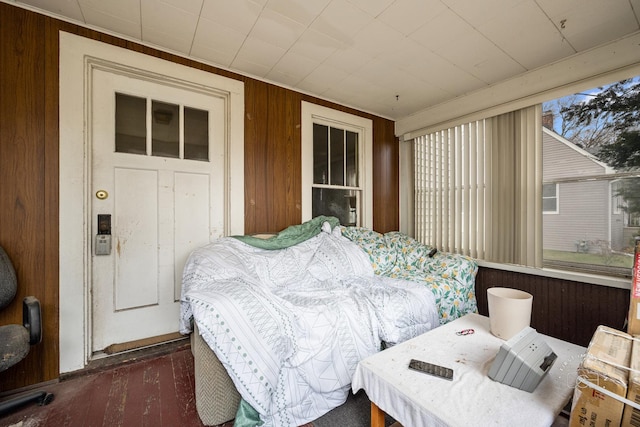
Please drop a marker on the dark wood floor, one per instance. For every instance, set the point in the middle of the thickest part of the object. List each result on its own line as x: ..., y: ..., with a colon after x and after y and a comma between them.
x: 152, y: 387
x: 154, y: 390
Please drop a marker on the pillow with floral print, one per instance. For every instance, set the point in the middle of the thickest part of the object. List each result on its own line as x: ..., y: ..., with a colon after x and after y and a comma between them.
x: 374, y: 245
x: 410, y: 253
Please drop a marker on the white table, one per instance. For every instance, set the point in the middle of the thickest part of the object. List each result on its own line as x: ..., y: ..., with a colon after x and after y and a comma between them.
x: 472, y: 398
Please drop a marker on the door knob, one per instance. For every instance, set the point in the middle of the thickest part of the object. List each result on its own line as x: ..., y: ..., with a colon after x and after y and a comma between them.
x: 102, y: 194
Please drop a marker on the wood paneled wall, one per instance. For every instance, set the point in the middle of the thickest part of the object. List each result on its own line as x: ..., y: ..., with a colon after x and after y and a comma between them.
x: 29, y: 166
x: 564, y: 309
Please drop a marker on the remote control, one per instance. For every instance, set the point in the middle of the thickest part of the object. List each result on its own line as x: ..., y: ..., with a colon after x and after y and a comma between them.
x: 432, y: 252
x: 431, y: 369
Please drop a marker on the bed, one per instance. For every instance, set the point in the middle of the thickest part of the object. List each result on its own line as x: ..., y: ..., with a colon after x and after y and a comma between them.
x: 289, y: 323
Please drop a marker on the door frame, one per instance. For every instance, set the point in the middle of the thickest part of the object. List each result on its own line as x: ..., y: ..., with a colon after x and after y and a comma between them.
x: 79, y: 57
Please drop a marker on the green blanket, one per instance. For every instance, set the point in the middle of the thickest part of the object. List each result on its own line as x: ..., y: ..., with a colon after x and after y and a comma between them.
x: 292, y: 235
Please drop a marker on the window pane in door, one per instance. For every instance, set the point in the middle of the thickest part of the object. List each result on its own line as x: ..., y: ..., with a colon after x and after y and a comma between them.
x: 352, y: 159
x: 196, y: 134
x: 343, y: 204
x: 131, y: 124
x: 165, y: 129
x: 337, y: 157
x: 320, y: 154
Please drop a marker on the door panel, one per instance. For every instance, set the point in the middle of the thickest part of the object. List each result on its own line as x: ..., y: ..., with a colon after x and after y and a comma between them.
x: 136, y: 222
x: 192, y: 219
x: 165, y: 194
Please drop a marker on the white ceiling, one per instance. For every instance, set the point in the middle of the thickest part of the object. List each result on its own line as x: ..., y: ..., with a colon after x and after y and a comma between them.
x: 389, y: 57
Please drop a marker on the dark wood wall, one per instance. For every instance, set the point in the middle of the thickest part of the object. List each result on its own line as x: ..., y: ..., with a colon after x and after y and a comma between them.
x: 29, y: 166
x: 273, y: 160
x: 564, y: 309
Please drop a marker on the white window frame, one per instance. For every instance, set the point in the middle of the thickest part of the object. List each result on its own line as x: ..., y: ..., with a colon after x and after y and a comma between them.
x: 557, y: 197
x: 616, y: 201
x: 313, y: 113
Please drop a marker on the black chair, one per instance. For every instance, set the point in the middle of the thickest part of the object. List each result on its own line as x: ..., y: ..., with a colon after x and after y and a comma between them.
x: 16, y: 340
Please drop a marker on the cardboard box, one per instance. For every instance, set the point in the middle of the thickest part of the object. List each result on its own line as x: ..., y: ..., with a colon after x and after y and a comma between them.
x: 631, y: 416
x: 608, y: 355
x: 633, y: 322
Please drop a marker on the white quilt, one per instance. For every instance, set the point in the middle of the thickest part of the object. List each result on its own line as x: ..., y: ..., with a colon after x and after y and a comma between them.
x: 290, y: 325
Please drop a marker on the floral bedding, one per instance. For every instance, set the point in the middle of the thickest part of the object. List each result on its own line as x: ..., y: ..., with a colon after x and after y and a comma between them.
x: 451, y: 277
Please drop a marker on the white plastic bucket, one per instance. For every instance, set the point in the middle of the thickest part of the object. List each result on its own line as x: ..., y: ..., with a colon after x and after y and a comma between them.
x: 509, y: 311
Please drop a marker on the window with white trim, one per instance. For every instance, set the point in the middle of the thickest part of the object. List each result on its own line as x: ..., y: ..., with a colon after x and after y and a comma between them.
x: 550, y: 198
x: 490, y: 188
x: 336, y: 165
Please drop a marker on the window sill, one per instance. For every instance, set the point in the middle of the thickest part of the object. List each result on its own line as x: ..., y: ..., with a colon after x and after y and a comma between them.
x: 594, y: 279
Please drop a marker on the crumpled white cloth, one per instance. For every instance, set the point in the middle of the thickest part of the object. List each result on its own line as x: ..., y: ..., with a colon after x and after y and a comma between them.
x: 472, y: 398
x: 290, y: 325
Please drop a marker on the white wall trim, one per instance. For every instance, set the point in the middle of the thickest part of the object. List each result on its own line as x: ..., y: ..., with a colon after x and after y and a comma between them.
x: 78, y: 57
x: 593, y: 279
x: 598, y: 66
x: 349, y: 121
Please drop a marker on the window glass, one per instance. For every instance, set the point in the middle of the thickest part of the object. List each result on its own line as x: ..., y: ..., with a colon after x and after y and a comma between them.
x: 165, y: 129
x: 320, y: 154
x: 131, y: 124
x: 352, y: 159
x: 549, y: 198
x: 334, y: 159
x: 337, y: 156
x: 343, y: 204
x: 592, y: 156
x: 196, y: 134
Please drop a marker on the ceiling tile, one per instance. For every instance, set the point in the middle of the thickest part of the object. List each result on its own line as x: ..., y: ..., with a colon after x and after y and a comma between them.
x: 322, y: 79
x: 364, y: 51
x: 442, y: 74
x: 165, y: 24
x: 122, y: 9
x: 250, y: 68
x: 257, y: 51
x: 212, y: 56
x: 407, y: 16
x: 341, y: 21
x: 167, y: 40
x: 526, y: 34
x: 462, y: 45
x: 295, y: 66
x: 442, y: 28
x: 216, y: 42
x: 285, y: 79
x: 477, y: 12
x: 118, y: 16
x: 348, y: 59
x: 67, y: 8
x: 420, y: 62
x: 191, y: 6
x: 316, y: 45
x: 304, y: 12
x: 277, y: 29
x: 377, y: 38
x: 588, y: 23
x: 372, y: 7
x: 241, y: 15
x: 635, y: 5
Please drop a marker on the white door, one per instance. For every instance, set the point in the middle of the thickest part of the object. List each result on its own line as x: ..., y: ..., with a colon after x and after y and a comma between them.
x: 157, y: 165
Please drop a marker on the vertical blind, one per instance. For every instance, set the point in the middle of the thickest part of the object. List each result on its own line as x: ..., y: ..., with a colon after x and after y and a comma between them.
x: 478, y: 188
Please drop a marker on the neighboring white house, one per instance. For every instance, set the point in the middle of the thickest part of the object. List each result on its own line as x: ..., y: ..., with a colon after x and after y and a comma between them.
x: 581, y: 211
